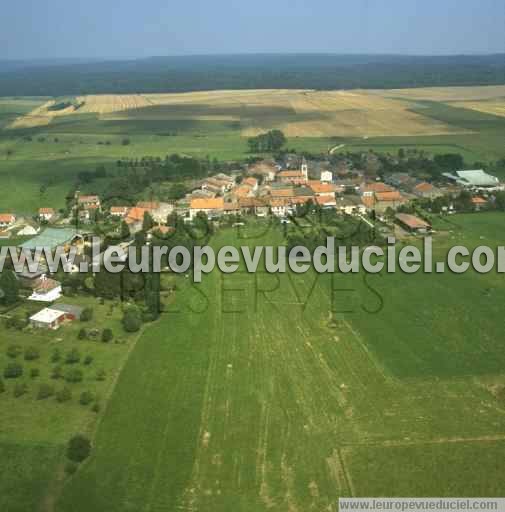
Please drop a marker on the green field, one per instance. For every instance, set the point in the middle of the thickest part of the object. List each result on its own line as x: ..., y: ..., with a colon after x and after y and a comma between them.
x: 245, y: 397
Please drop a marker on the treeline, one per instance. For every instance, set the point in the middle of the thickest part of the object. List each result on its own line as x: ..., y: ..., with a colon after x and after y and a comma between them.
x: 196, y: 73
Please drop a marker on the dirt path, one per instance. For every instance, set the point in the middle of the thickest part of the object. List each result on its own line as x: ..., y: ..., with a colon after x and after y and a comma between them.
x: 336, y: 148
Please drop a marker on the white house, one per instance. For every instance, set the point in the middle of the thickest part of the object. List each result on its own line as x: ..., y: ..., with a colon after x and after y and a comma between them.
x: 326, y: 177
x: 47, y: 318
x: 46, y: 289
x: 46, y: 214
x: 119, y: 211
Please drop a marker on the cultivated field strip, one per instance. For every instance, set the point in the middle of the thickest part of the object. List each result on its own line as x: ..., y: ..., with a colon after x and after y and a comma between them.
x: 299, y: 113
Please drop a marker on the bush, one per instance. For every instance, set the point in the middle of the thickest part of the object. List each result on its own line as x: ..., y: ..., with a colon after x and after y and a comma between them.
x: 13, y: 371
x: 96, y: 407
x: 88, y: 360
x: 2, y: 386
x: 87, y: 314
x: 56, y: 355
x: 13, y: 351
x: 57, y: 372
x: 64, y: 395
x: 125, y: 142
x: 73, y: 375
x: 83, y: 334
x: 132, y: 319
x: 86, y: 398
x: 100, y: 375
x: 34, y: 373
x: 20, y: 389
x: 70, y: 468
x: 73, y: 357
x: 107, y: 335
x: 79, y: 448
x: 31, y: 353
x: 45, y: 391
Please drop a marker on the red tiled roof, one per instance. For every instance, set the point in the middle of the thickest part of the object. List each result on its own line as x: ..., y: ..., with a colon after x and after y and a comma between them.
x: 412, y: 221
x: 424, y: 187
x: 216, y: 203
x: 7, y: 217
x: 46, y: 211
x: 394, y: 195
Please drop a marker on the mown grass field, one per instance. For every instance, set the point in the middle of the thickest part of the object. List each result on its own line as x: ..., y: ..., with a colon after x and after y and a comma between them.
x: 245, y: 397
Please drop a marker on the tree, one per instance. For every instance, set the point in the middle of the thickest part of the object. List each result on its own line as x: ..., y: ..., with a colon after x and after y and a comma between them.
x: 124, y: 230
x: 31, y: 353
x: 20, y: 389
x: 87, y: 314
x: 147, y: 222
x: 56, y: 373
x: 45, y: 391
x: 107, y: 335
x: 73, y: 375
x: 86, y: 398
x: 82, y: 334
x: 56, y: 355
x: 9, y: 287
x: 13, y: 370
x: 79, y: 448
x: 73, y: 357
x: 271, y: 141
x: 449, y: 162
x: 64, y: 395
x: 88, y: 360
x: 34, y: 373
x: 132, y: 319
x: 13, y: 351
x: 2, y: 386
x: 126, y: 141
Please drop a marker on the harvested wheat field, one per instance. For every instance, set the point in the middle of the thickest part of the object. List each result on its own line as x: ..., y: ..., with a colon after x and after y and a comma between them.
x: 495, y: 107
x: 299, y: 113
x: 481, y: 92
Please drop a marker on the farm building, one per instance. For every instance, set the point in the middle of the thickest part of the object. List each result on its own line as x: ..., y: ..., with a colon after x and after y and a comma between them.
x: 53, y: 317
x: 412, y: 223
x: 71, y: 311
x: 51, y: 238
x: 476, y: 178
x: 211, y: 207
x: 47, y: 318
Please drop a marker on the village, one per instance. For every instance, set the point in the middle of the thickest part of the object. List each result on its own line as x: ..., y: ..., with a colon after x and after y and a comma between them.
x: 398, y: 204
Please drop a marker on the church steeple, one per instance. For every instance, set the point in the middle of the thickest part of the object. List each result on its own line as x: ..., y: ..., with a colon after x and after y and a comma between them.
x: 305, y: 168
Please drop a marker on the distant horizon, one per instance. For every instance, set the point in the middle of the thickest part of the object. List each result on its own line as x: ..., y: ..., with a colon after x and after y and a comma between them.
x: 254, y: 53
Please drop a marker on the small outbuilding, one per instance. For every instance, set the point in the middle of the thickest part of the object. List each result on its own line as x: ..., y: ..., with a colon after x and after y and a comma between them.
x: 412, y: 223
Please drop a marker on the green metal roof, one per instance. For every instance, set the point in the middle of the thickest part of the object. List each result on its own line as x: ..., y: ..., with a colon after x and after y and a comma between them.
x: 51, y: 238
